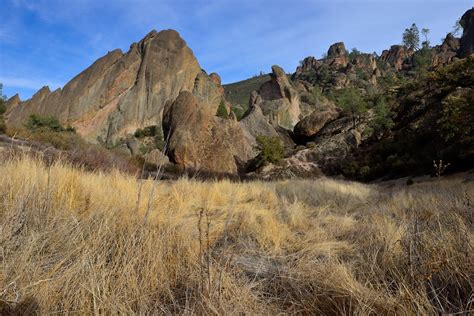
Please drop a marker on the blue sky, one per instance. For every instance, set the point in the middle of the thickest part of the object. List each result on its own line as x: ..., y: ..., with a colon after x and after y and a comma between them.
x: 48, y: 42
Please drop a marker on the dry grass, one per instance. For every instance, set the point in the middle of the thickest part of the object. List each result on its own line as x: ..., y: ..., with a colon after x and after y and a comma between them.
x: 77, y: 242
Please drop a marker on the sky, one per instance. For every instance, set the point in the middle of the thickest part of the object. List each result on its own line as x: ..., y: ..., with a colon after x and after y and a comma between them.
x: 48, y: 42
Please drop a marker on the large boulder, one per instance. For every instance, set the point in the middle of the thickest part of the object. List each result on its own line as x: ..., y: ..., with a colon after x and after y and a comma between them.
x: 119, y: 92
x: 200, y: 140
x: 313, y: 123
x: 467, y: 39
x: 278, y: 100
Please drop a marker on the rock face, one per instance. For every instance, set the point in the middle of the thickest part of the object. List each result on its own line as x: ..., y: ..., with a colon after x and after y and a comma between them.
x: 255, y: 123
x: 397, y: 56
x: 467, y: 39
x: 12, y: 102
x: 278, y: 100
x: 119, y: 92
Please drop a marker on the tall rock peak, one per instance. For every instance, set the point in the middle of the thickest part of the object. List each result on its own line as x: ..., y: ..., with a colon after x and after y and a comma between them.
x: 119, y: 92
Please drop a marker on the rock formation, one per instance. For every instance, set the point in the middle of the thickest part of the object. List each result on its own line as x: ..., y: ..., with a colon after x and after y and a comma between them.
x: 337, y: 55
x: 278, y: 100
x: 397, y: 56
x: 119, y: 92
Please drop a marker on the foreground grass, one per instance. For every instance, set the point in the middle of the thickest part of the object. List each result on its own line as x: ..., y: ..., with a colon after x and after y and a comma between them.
x: 78, y: 242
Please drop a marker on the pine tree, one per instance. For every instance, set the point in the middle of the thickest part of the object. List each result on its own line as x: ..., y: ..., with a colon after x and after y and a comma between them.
x: 411, y: 37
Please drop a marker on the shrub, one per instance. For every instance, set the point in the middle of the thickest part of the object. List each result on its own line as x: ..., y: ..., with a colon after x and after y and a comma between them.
x: 60, y: 140
x: 151, y: 131
x: 239, y: 112
x: 271, y: 149
x: 354, y: 53
x: 222, y: 110
x: 148, y: 131
x: 98, y: 158
x: 422, y: 59
x: 46, y: 123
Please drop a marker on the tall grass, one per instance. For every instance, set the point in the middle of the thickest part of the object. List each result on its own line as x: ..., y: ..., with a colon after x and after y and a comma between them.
x: 75, y: 242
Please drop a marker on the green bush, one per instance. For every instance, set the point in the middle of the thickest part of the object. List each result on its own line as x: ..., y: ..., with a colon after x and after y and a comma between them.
x: 422, y: 59
x: 46, y: 123
x: 151, y: 131
x: 239, y: 112
x: 222, y: 110
x: 148, y: 131
x: 271, y: 149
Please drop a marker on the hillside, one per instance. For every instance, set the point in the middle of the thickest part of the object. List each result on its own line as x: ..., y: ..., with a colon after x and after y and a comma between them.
x: 238, y: 93
x: 79, y: 242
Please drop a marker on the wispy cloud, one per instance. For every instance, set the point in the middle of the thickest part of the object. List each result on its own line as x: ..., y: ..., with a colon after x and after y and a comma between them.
x: 50, y: 41
x: 29, y: 83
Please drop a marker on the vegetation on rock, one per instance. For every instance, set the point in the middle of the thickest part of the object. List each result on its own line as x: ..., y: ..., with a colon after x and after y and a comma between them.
x: 152, y: 136
x: 222, y: 110
x: 271, y: 150
x: 352, y: 103
x: 38, y: 123
x: 432, y: 121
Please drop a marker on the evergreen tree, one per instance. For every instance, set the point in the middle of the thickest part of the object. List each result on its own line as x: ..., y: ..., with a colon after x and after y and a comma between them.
x: 383, y: 117
x: 352, y: 102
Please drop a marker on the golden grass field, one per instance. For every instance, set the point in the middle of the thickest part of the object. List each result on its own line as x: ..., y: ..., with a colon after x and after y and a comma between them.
x: 79, y: 242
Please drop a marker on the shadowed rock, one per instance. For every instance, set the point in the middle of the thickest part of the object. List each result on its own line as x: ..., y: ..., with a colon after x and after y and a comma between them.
x: 467, y: 39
